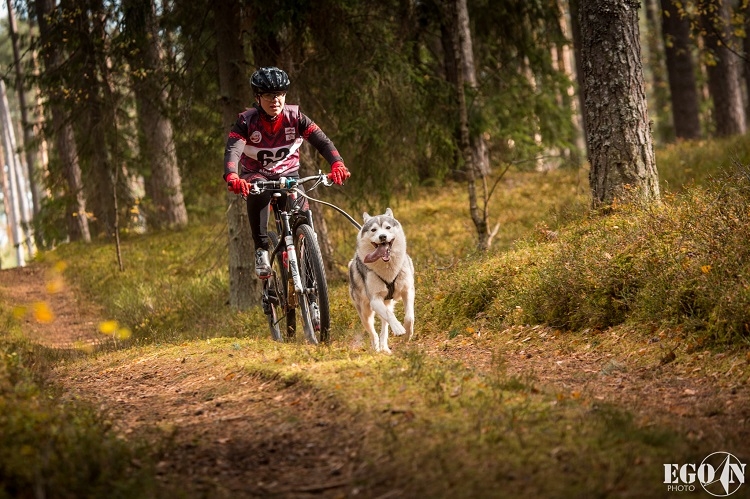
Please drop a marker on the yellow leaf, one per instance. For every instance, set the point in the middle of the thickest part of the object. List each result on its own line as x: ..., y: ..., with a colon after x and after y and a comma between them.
x: 470, y: 330
x: 83, y: 347
x: 123, y: 333
x: 19, y: 311
x: 54, y: 285
x: 108, y: 327
x: 706, y: 269
x: 42, y: 312
x: 60, y: 266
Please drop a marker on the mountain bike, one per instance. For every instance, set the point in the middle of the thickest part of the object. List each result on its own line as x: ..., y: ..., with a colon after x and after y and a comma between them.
x: 298, y: 278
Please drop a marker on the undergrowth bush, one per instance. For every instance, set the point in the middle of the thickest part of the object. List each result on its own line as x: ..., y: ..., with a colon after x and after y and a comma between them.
x: 682, y: 264
x: 173, y: 286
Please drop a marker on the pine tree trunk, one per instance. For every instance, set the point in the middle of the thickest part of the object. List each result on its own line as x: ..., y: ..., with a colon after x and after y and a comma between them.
x: 96, y: 125
x: 723, y: 69
x: 244, y: 286
x: 622, y: 155
x: 478, y: 146
x: 65, y: 146
x: 575, y: 30
x: 655, y: 60
x: 680, y: 71
x: 455, y: 44
x: 163, y: 184
x: 27, y: 138
x: 14, y: 191
x: 307, y: 167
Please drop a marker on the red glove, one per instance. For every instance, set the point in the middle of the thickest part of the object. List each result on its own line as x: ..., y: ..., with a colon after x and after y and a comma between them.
x: 339, y: 173
x: 237, y: 185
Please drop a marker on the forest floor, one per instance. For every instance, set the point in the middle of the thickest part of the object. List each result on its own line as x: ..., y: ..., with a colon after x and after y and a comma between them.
x: 231, y: 435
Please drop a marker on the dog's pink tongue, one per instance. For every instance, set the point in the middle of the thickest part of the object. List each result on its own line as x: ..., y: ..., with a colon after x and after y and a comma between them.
x: 382, y: 251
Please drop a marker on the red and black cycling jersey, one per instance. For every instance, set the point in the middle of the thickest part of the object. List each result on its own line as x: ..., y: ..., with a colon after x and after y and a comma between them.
x: 267, y: 148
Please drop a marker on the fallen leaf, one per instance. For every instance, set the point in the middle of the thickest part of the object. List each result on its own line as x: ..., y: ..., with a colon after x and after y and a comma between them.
x: 42, y: 312
x: 669, y: 357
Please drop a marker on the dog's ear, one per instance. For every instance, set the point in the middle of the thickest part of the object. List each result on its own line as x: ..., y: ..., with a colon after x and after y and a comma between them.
x: 388, y: 212
x: 366, y: 216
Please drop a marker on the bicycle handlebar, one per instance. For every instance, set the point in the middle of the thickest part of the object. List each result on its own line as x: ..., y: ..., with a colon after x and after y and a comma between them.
x: 287, y: 183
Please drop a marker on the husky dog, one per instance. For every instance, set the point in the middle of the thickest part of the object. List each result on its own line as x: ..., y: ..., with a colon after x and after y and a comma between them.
x: 379, y: 274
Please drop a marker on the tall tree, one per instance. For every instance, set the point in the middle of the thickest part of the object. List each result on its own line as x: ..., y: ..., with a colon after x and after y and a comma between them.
x: 575, y: 28
x: 457, y: 32
x: 59, y: 127
x: 474, y: 104
x: 723, y: 66
x: 683, y: 89
x: 97, y: 126
x: 654, y: 59
x: 27, y: 138
x: 622, y: 158
x: 15, y: 190
x: 244, y: 287
x: 163, y: 181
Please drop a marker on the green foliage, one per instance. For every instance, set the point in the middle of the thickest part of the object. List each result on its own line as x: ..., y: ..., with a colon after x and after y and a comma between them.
x: 54, y: 447
x: 174, y: 284
x: 683, y: 264
x: 695, y: 162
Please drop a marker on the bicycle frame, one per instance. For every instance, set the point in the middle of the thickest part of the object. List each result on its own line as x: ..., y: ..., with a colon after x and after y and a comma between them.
x: 286, y: 238
x: 301, y: 280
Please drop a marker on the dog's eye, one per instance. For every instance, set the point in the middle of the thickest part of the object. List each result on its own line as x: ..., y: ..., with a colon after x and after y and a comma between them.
x: 373, y: 229
x: 388, y: 228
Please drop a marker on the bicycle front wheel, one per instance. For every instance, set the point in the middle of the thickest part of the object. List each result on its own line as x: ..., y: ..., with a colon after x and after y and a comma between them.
x: 280, y: 314
x: 316, y: 315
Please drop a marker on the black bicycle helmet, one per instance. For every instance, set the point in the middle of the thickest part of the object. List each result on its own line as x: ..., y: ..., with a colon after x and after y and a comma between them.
x: 269, y: 79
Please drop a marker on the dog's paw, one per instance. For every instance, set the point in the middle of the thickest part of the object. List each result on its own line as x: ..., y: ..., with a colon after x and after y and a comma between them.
x: 409, y: 326
x: 398, y: 331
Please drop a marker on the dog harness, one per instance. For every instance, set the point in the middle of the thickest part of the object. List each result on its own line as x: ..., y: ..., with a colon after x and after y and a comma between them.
x: 363, y: 269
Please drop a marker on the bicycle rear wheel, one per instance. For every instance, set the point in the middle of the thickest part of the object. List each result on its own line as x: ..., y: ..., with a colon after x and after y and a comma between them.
x: 282, y: 320
x: 316, y: 316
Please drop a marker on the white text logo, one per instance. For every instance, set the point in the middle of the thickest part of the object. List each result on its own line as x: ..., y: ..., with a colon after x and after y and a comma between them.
x: 720, y: 474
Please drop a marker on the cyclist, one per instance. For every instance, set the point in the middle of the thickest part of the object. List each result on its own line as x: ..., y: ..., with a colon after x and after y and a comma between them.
x: 263, y: 144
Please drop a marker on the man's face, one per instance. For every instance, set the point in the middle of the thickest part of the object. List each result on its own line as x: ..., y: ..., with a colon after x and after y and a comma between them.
x: 272, y: 103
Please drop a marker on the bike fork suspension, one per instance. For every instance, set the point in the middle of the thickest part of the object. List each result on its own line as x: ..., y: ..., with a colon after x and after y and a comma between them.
x: 291, y: 254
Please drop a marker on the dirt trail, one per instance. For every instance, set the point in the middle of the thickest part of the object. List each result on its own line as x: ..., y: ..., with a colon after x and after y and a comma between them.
x: 235, y: 435
x: 231, y: 435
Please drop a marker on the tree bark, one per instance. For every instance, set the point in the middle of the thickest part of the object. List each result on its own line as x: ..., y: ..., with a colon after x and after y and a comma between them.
x: 307, y: 167
x: 27, y: 138
x: 680, y: 71
x: 14, y: 185
x: 655, y: 60
x: 62, y: 131
x: 622, y: 155
x: 723, y: 69
x: 478, y: 146
x: 163, y: 182
x: 454, y: 56
x: 96, y: 125
x: 575, y: 29
x: 234, y: 86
